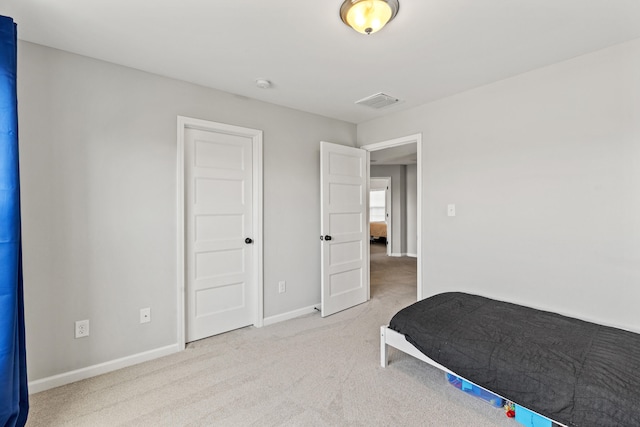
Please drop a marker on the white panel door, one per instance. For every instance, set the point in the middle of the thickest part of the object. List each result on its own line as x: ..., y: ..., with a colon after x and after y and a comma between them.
x: 218, y: 237
x: 345, y: 237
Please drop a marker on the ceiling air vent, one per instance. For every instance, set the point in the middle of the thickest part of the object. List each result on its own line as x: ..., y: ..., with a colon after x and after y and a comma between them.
x: 379, y: 100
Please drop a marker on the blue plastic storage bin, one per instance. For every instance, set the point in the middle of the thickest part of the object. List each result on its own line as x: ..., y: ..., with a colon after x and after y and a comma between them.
x: 474, y: 390
x: 531, y: 419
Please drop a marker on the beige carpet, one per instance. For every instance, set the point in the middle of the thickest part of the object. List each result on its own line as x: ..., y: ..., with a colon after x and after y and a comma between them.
x: 307, y: 371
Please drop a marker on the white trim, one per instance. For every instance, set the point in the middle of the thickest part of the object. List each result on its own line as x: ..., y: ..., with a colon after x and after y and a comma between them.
x: 411, y: 255
x: 367, y: 218
x: 258, y: 229
x: 291, y: 315
x: 419, y: 215
x: 256, y: 136
x: 396, y: 142
x: 417, y: 138
x: 99, y: 369
x: 388, y: 214
x: 180, y: 267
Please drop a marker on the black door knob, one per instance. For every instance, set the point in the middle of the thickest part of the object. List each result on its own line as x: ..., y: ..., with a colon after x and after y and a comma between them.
x: 327, y: 237
x: 248, y: 241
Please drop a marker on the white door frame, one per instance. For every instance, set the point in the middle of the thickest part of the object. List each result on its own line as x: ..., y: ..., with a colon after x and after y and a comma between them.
x: 410, y: 139
x: 388, y: 202
x: 257, y: 247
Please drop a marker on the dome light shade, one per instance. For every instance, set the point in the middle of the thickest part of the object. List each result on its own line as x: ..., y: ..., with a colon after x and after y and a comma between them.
x: 368, y: 16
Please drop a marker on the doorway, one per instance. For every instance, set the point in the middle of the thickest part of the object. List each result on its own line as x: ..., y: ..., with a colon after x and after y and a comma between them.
x: 219, y: 228
x: 380, y: 218
x: 400, y: 147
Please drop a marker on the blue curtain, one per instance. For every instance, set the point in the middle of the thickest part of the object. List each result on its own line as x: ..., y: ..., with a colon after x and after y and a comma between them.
x: 14, y: 397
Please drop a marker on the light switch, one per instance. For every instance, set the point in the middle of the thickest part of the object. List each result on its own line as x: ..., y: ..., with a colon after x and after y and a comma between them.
x: 451, y: 210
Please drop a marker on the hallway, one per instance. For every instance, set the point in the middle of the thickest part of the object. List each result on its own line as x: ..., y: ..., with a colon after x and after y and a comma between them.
x: 391, y: 275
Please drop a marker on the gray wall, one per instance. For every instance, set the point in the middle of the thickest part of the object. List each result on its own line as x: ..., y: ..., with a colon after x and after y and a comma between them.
x: 398, y: 205
x: 98, y: 169
x: 545, y: 171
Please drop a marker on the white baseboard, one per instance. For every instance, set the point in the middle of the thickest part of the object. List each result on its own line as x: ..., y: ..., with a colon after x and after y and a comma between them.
x: 395, y: 254
x: 99, y: 369
x: 412, y: 255
x: 290, y: 315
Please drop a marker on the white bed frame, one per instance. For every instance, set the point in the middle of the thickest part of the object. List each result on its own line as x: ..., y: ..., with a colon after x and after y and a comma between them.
x: 398, y: 341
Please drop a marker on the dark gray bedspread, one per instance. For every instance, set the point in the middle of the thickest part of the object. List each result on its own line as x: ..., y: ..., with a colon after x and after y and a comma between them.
x: 574, y: 372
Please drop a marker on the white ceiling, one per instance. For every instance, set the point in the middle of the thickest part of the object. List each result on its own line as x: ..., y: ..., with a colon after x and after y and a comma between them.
x: 433, y: 49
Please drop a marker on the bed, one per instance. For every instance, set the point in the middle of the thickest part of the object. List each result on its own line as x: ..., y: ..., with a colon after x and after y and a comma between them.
x: 573, y: 372
x: 378, y: 229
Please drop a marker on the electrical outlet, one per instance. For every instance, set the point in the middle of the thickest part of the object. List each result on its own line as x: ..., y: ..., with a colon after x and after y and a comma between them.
x: 451, y: 210
x: 282, y: 287
x: 145, y: 315
x: 82, y: 328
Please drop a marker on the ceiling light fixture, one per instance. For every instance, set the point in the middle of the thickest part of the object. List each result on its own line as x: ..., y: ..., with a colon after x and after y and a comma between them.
x: 368, y: 16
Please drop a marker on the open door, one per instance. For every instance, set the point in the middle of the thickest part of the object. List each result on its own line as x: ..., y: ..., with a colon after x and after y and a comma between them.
x: 344, y: 221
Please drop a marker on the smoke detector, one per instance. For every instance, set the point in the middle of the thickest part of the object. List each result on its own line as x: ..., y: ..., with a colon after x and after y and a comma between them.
x: 263, y: 83
x: 378, y: 100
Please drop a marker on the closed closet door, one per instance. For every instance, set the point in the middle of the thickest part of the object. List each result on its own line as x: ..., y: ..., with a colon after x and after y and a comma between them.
x: 220, y: 293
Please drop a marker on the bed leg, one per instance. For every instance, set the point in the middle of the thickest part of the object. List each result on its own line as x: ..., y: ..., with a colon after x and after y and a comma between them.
x: 383, y: 347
